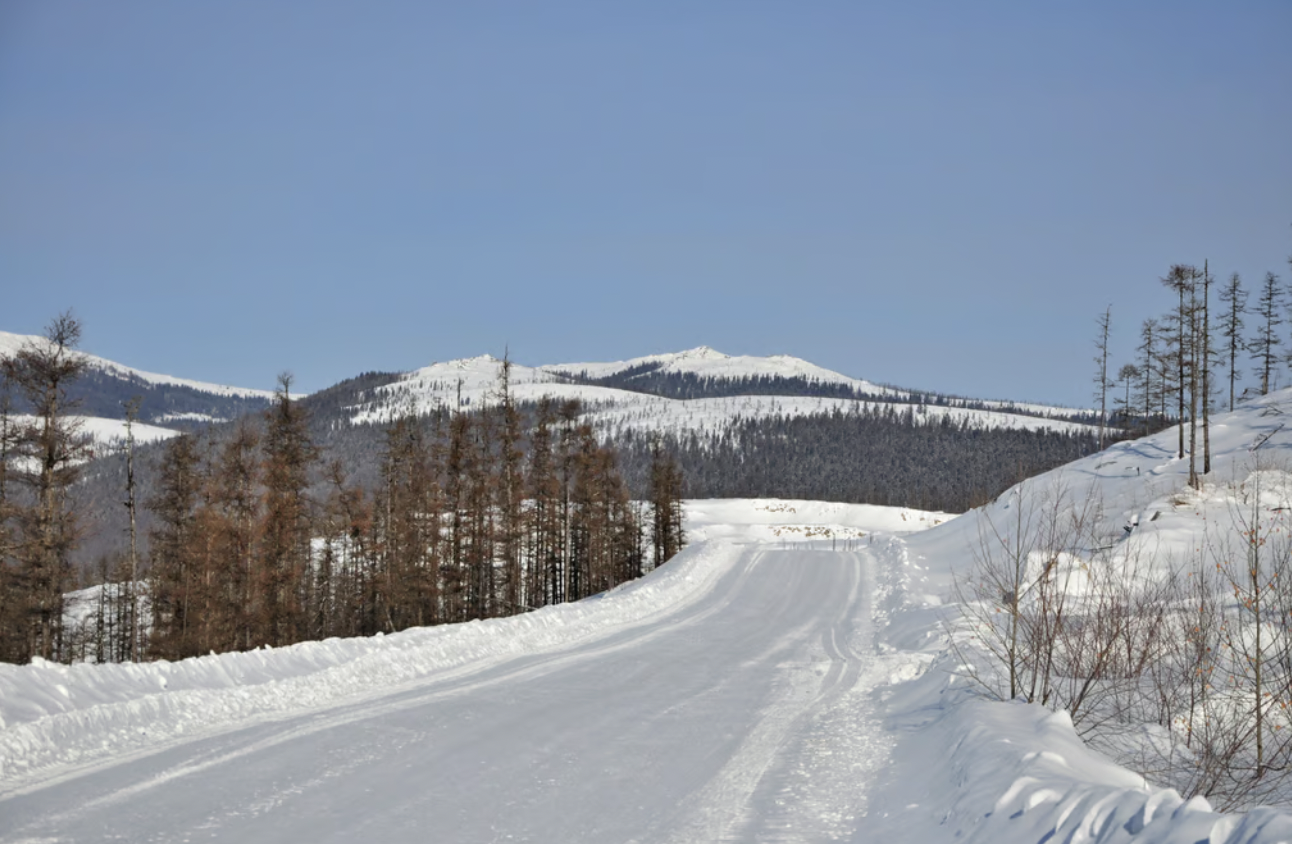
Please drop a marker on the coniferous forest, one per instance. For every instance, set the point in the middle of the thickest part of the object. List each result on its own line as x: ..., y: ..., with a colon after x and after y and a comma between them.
x: 258, y: 537
x: 892, y: 455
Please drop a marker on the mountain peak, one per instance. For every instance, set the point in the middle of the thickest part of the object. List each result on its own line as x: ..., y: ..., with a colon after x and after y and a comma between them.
x: 699, y: 353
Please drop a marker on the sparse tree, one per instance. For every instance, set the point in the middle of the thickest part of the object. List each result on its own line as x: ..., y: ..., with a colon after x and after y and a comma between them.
x: 1234, y: 299
x: 134, y: 645
x: 1264, y: 345
x: 1178, y: 337
x: 1127, y: 376
x: 1101, y: 372
x: 1151, y: 392
x: 1205, y: 358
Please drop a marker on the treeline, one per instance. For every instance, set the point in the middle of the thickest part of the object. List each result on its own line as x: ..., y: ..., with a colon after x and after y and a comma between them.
x: 1173, y: 380
x: 257, y: 538
x: 647, y: 378
x: 891, y: 455
x: 103, y: 393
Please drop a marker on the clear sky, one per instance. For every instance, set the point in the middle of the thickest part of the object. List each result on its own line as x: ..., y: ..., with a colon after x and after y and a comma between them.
x: 937, y: 195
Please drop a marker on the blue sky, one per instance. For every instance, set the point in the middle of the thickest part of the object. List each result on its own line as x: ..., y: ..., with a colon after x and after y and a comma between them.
x: 937, y: 195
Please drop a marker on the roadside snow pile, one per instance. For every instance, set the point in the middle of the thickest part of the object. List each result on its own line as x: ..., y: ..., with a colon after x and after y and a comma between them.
x: 978, y: 771
x: 55, y: 715
x: 983, y: 771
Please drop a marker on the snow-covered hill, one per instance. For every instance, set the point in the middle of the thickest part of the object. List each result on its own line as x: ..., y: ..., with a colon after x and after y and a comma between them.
x: 178, y: 403
x: 705, y: 362
x: 475, y: 382
x: 167, y: 404
x: 10, y: 343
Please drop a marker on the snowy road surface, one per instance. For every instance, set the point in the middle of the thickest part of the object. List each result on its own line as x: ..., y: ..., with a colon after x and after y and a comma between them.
x: 743, y: 716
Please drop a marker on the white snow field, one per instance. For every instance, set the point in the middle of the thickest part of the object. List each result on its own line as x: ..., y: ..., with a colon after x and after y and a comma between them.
x: 787, y: 678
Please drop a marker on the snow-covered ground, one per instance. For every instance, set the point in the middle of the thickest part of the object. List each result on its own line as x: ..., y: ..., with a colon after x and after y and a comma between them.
x: 106, y: 436
x: 788, y: 677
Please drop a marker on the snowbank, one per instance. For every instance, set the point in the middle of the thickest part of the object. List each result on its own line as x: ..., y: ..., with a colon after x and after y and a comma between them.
x: 56, y: 715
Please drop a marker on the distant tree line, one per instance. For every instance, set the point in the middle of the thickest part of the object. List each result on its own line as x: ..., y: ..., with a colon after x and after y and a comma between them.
x: 892, y: 455
x: 257, y: 538
x: 648, y: 378
x: 103, y: 394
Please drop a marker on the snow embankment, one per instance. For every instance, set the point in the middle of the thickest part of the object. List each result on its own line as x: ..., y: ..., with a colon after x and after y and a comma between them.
x: 983, y: 771
x: 52, y: 716
x: 988, y: 773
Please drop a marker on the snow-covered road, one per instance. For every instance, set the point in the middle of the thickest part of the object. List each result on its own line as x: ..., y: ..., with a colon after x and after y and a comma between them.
x: 789, y: 677
x: 742, y: 716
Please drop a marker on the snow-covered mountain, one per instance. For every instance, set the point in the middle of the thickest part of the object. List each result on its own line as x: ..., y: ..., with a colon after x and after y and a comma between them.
x: 638, y: 395
x: 10, y: 343
x: 168, y: 404
x: 708, y: 363
x: 475, y: 382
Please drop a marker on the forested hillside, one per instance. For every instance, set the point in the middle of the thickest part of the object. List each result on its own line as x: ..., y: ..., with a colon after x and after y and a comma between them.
x: 103, y: 388
x: 891, y: 456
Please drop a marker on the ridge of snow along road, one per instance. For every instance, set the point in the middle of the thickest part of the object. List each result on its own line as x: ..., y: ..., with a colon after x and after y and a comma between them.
x: 54, y: 716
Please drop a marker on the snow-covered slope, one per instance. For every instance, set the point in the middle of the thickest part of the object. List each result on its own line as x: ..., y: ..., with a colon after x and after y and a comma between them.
x: 475, y: 382
x: 1135, y: 494
x: 10, y: 343
x: 705, y: 362
x: 110, y: 434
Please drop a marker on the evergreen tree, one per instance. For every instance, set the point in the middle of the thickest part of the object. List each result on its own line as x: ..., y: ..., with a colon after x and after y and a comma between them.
x: 1205, y: 361
x: 47, y: 452
x: 667, y: 533
x: 173, y: 549
x: 1264, y: 346
x: 1234, y: 299
x: 13, y: 639
x: 510, y: 496
x: 1101, y: 372
x: 285, y: 539
x: 235, y: 522
x: 408, y: 513
x: 1150, y: 391
x: 133, y: 643
x: 544, y: 492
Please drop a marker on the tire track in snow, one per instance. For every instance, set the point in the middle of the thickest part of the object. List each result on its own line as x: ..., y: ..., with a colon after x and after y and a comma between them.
x: 799, y: 775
